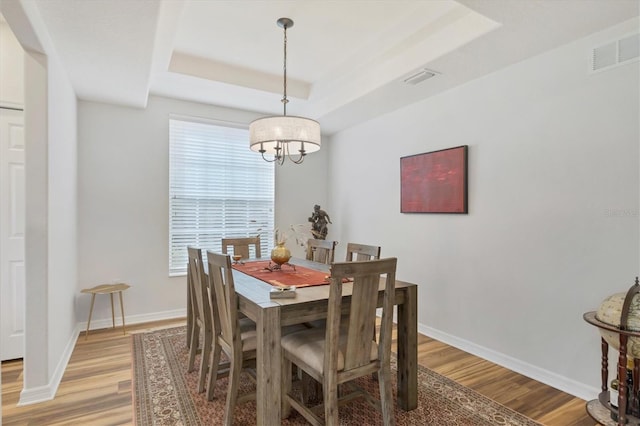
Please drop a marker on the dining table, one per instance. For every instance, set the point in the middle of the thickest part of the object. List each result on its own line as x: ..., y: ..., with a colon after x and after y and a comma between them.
x: 310, y: 304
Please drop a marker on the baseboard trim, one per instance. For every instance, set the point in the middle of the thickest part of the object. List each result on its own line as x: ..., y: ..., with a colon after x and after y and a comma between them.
x: 134, y: 319
x: 48, y: 392
x: 36, y: 395
x: 570, y: 386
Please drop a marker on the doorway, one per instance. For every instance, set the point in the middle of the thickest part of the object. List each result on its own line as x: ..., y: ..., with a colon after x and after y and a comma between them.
x: 12, y: 220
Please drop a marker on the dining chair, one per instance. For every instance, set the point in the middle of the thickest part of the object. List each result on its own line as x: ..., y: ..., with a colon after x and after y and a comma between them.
x: 360, y: 252
x: 238, y: 343
x: 201, y: 316
x: 321, y: 250
x: 340, y: 352
x: 234, y: 336
x: 241, y: 246
x: 355, y: 252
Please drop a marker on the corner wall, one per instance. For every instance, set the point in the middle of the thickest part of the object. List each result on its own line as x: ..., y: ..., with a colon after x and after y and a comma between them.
x: 62, y: 219
x: 50, y: 199
x: 123, y: 205
x: 553, y: 223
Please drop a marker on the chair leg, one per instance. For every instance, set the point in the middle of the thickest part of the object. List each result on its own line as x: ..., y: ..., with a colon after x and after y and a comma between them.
x: 330, y: 388
x: 204, y: 361
x: 235, y: 368
x: 374, y: 375
x: 193, y: 349
x: 311, y: 389
x: 306, y: 383
x: 386, y: 396
x: 213, y: 369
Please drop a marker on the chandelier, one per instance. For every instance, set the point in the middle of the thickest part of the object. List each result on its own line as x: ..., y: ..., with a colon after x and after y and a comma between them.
x: 284, y: 136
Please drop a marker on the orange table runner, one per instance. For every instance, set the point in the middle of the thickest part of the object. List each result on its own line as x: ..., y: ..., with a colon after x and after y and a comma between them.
x: 287, y: 276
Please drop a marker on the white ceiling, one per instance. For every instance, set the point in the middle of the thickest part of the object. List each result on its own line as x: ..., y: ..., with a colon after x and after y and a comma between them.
x: 347, y: 59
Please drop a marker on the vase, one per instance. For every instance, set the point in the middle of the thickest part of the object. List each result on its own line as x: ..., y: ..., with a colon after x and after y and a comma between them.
x: 280, y: 254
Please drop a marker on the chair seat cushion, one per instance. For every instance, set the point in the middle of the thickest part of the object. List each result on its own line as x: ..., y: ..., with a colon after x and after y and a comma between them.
x: 308, y: 345
x: 249, y: 334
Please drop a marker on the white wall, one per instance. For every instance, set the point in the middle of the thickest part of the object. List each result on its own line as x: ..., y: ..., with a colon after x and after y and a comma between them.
x: 123, y: 201
x: 123, y: 175
x: 50, y: 223
x: 36, y: 371
x: 62, y: 217
x: 553, y: 223
x: 298, y: 188
x: 11, y: 69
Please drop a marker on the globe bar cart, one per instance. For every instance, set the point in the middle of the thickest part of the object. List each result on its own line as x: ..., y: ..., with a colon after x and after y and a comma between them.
x: 628, y: 404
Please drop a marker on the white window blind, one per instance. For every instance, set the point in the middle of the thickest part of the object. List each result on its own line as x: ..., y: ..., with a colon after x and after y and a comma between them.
x: 217, y: 188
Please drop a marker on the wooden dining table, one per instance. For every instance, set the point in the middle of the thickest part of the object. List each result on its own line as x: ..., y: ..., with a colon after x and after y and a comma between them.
x: 310, y: 304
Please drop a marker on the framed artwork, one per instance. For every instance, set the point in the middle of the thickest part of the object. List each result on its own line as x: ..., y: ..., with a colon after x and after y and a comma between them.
x: 434, y: 182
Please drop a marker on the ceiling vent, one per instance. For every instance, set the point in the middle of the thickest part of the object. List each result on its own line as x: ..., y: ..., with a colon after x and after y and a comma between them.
x: 614, y: 53
x: 419, y: 76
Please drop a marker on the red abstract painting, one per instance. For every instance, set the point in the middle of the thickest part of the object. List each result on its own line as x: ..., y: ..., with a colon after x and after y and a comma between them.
x: 434, y: 182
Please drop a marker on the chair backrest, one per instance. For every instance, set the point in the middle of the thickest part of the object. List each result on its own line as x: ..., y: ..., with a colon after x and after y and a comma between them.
x: 367, y: 277
x: 321, y: 250
x: 199, y: 289
x: 241, y: 246
x: 223, y: 296
x: 362, y: 252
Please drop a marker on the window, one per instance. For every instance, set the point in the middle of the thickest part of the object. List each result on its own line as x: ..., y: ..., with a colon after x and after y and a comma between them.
x: 217, y: 188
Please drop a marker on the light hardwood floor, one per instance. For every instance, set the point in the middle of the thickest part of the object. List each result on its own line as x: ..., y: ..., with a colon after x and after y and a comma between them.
x: 96, y: 386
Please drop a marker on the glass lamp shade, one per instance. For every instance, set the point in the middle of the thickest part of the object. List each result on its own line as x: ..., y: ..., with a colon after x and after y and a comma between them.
x: 268, y: 132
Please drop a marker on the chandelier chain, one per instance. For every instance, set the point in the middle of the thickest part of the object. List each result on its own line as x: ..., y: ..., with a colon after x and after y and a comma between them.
x: 284, y: 67
x: 282, y: 136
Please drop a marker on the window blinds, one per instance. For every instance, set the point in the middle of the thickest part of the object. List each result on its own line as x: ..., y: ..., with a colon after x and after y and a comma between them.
x: 217, y: 188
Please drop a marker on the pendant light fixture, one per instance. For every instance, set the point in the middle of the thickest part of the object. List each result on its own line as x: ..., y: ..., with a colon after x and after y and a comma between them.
x: 284, y: 136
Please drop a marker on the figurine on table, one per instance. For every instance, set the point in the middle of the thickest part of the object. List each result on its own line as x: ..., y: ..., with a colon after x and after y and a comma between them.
x: 319, y: 219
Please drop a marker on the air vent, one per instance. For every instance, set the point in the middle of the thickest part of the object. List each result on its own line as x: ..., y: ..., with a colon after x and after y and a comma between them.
x: 629, y: 48
x: 614, y: 53
x: 419, y: 76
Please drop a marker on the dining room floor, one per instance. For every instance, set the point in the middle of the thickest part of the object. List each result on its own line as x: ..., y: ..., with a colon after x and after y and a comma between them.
x: 96, y: 386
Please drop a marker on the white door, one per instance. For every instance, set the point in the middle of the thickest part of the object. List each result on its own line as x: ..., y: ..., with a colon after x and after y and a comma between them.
x: 12, y: 219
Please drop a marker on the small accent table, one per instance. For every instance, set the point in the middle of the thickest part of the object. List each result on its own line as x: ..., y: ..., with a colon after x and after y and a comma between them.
x: 106, y: 289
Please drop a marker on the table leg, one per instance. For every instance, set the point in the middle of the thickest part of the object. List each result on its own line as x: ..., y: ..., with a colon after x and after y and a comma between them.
x: 268, y: 387
x: 113, y: 313
x: 93, y: 299
x: 408, y: 350
x: 124, y: 331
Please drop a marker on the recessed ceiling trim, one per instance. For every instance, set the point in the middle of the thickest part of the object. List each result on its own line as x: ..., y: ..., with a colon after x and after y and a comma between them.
x: 455, y: 28
x: 195, y: 66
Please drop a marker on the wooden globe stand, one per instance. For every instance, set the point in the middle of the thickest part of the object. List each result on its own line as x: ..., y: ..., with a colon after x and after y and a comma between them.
x: 600, y: 409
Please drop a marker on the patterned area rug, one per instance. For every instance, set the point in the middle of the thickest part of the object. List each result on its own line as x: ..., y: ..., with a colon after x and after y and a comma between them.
x: 165, y: 394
